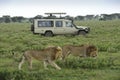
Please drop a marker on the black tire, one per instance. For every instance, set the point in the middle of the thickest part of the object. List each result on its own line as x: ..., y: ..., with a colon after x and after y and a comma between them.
x: 48, y: 34
x: 32, y: 27
x: 82, y: 33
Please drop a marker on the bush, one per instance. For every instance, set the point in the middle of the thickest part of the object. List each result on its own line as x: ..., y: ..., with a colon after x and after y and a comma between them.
x: 88, y: 63
x: 112, y: 50
x: 21, y: 75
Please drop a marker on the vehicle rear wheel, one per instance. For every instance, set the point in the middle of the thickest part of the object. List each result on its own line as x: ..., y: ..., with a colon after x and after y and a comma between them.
x: 32, y: 27
x: 48, y: 34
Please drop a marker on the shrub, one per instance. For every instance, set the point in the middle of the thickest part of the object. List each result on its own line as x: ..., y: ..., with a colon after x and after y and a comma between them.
x: 112, y: 50
x: 21, y: 75
x: 88, y: 63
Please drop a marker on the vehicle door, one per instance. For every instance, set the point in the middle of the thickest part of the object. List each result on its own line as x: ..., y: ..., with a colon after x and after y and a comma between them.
x: 69, y: 28
x: 58, y: 28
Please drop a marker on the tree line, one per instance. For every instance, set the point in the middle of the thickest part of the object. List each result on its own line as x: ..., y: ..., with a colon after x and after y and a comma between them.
x: 8, y: 19
x: 99, y: 17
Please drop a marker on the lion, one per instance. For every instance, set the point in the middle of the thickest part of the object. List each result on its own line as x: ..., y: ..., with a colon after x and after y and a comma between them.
x: 81, y: 51
x: 47, y: 55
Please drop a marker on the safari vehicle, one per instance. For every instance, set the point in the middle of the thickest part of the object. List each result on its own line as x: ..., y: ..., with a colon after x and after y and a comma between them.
x: 52, y: 25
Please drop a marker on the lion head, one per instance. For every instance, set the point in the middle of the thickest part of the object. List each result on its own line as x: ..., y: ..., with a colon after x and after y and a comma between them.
x: 91, y: 51
x: 58, y: 52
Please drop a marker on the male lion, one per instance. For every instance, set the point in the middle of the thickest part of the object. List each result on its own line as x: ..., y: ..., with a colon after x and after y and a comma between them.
x: 81, y: 51
x: 47, y: 55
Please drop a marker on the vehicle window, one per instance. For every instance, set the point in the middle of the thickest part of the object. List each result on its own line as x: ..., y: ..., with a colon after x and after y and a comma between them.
x: 58, y: 24
x: 45, y: 23
x: 68, y: 24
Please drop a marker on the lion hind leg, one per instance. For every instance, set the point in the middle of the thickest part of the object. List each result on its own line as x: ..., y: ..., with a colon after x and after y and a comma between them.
x: 30, y: 64
x: 54, y: 65
x: 45, y: 64
x: 20, y: 64
x: 29, y: 60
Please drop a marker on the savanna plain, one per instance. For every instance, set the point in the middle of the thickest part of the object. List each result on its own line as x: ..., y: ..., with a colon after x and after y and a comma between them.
x: 15, y: 38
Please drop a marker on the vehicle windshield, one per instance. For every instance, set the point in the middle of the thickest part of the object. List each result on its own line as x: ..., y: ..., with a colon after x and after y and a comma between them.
x: 70, y: 24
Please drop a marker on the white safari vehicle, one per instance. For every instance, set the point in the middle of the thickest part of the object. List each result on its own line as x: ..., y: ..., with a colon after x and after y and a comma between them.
x: 51, y: 25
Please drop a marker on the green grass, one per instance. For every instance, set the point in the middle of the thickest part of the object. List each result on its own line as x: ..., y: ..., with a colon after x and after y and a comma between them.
x: 17, y: 38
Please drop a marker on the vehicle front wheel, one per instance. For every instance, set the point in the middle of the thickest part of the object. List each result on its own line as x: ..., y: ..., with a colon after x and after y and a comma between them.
x: 48, y: 34
x: 82, y: 33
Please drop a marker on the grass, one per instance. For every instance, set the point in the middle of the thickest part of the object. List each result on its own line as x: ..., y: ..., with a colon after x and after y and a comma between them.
x: 17, y: 38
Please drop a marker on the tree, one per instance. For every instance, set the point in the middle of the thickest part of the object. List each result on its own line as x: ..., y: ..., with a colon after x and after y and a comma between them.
x: 115, y: 16
x: 7, y: 19
x: 38, y: 17
x: 17, y: 19
x: 14, y: 19
x: 20, y: 18
x: 89, y: 17
x: 79, y: 18
x: 1, y: 20
x: 69, y: 17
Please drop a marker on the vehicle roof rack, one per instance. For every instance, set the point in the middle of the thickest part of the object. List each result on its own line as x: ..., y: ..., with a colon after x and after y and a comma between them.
x: 51, y: 14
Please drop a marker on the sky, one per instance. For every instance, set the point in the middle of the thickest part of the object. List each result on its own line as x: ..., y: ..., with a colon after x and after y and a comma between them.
x: 31, y: 8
